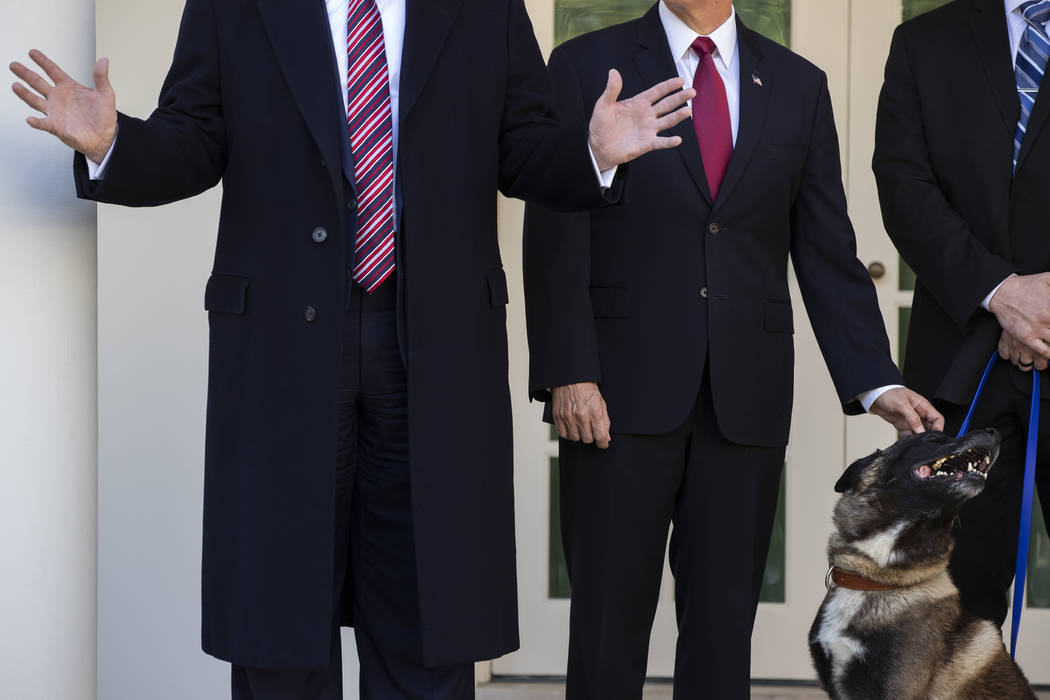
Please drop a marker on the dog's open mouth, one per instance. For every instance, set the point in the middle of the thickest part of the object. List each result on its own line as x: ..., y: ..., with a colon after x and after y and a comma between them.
x: 973, y: 462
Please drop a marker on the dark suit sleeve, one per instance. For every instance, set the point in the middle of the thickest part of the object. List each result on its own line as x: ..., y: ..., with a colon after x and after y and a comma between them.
x: 836, y: 288
x: 180, y: 151
x: 929, y: 233
x: 563, y: 344
x: 542, y: 160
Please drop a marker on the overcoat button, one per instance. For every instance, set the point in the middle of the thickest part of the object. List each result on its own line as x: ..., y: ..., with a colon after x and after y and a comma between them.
x: 310, y: 314
x: 713, y: 228
x: 320, y: 235
x: 703, y: 292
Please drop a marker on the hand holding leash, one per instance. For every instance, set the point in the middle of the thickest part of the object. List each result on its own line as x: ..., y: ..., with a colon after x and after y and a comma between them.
x: 1020, y: 355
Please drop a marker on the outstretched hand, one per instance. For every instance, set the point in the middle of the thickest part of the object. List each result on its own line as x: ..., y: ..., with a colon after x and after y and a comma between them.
x: 83, y: 118
x: 907, y: 411
x: 620, y: 131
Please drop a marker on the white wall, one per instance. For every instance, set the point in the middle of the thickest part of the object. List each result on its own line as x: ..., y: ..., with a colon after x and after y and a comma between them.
x: 47, y: 382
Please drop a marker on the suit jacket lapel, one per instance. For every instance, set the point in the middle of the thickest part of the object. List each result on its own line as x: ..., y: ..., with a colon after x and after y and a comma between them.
x: 655, y: 64
x: 754, y: 99
x: 302, y: 42
x: 988, y: 26
x: 427, y: 24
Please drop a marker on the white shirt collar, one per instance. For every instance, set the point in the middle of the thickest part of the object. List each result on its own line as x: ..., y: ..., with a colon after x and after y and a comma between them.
x: 680, y: 36
x: 1012, y: 5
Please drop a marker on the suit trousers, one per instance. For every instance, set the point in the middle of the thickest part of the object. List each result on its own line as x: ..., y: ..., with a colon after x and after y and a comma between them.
x: 374, y: 530
x: 617, y: 506
x: 985, y: 555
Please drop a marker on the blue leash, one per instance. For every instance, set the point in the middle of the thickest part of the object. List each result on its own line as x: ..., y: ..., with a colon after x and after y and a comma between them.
x: 1021, y: 571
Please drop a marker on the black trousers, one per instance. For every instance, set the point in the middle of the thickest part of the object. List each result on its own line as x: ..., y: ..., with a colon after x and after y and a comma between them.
x: 985, y: 555
x: 617, y: 505
x: 374, y: 531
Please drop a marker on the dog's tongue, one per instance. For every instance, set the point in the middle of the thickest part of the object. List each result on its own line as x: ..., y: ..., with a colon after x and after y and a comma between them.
x: 924, y: 471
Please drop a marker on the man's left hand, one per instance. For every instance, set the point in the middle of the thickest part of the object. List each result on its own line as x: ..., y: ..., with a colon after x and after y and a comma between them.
x: 622, y: 131
x: 907, y: 411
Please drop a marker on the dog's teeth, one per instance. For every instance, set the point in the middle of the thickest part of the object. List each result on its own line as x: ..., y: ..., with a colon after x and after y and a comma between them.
x: 939, y: 462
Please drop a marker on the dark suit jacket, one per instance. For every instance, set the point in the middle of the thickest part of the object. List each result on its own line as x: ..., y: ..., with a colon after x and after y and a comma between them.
x: 252, y: 99
x: 636, y: 298
x: 943, y: 159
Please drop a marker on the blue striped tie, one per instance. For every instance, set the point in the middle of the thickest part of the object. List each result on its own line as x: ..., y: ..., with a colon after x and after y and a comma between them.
x: 1031, y: 63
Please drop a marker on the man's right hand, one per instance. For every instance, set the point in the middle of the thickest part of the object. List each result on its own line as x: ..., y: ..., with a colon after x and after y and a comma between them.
x: 1022, y: 307
x: 580, y: 414
x: 84, y: 119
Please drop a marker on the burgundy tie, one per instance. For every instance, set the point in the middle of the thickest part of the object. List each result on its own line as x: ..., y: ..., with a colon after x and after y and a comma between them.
x: 371, y: 143
x: 711, y: 116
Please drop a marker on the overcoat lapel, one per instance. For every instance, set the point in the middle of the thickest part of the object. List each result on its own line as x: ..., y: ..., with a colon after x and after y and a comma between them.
x: 988, y: 26
x: 655, y: 64
x: 427, y: 24
x: 302, y: 42
x: 755, y: 85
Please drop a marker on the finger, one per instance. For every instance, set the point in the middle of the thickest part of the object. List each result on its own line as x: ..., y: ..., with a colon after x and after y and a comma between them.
x: 572, y: 431
x: 662, y: 142
x: 56, y: 74
x: 43, y: 124
x: 1025, y: 360
x: 931, y: 417
x: 660, y: 90
x: 1040, y: 347
x: 612, y: 88
x: 666, y: 122
x: 1041, y: 364
x: 1005, y: 351
x: 601, y: 432
x: 33, y: 100
x: 912, y: 420
x: 586, y: 434
x: 674, y: 101
x: 31, y: 78
x: 101, y: 74
x: 560, y: 425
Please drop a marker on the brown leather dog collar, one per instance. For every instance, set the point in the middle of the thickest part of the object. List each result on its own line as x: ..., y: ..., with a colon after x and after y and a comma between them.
x: 854, y: 581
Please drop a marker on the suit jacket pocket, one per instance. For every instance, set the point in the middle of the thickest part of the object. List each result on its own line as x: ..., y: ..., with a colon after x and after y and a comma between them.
x: 610, y: 302
x: 498, y: 294
x: 226, y: 294
x: 779, y: 318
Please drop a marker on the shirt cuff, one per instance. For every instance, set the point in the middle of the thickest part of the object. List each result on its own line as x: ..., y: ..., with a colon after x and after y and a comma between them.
x: 988, y: 299
x: 868, y: 398
x: 96, y: 171
x: 605, y: 177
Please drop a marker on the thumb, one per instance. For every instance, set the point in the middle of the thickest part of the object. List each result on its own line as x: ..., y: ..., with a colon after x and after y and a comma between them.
x: 101, y: 75
x: 612, y: 87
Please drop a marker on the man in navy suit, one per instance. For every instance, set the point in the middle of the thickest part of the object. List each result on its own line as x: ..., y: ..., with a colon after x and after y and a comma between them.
x: 665, y: 330
x: 358, y: 339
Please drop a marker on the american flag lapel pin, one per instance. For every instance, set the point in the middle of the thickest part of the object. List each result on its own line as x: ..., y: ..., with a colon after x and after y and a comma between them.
x: 756, y: 79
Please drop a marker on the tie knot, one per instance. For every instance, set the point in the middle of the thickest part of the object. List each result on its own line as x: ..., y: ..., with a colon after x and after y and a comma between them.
x: 703, y: 46
x: 1036, y: 12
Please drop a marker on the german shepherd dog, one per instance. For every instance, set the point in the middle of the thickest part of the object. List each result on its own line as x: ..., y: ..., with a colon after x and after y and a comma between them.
x: 891, y: 625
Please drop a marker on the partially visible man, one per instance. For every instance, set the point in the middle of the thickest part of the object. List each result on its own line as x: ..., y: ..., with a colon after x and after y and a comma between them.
x: 356, y: 312
x: 671, y: 320
x: 963, y: 169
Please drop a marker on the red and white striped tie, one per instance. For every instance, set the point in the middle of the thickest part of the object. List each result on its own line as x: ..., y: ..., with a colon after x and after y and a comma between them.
x: 371, y: 144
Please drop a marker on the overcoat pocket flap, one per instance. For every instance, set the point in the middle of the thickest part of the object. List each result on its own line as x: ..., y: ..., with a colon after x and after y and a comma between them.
x: 610, y: 302
x: 498, y: 294
x: 779, y: 318
x: 226, y: 293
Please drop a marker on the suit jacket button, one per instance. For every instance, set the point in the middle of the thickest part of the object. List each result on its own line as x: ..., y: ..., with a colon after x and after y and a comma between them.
x: 713, y: 228
x: 320, y: 235
x: 310, y: 314
x: 351, y: 204
x: 703, y: 292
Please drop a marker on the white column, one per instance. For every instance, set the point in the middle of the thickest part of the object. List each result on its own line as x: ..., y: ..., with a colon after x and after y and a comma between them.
x: 48, y: 397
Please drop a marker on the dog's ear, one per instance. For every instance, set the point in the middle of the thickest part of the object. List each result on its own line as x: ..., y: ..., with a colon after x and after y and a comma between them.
x: 850, y: 478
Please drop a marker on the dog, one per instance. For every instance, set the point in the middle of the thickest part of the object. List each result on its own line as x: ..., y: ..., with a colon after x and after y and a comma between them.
x: 891, y: 626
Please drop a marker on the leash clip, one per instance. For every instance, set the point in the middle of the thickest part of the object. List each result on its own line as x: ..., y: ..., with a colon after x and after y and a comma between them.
x: 829, y: 583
